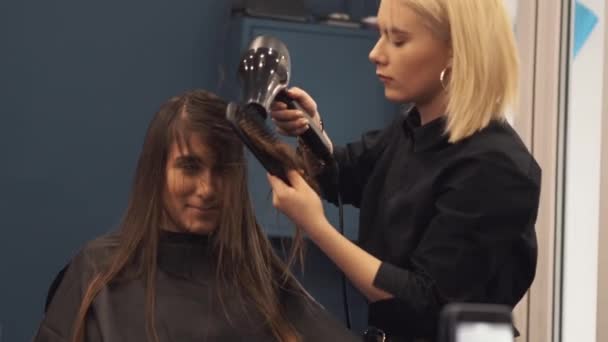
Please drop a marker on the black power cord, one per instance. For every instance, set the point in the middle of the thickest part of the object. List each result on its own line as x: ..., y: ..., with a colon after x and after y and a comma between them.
x: 344, y: 287
x: 336, y: 181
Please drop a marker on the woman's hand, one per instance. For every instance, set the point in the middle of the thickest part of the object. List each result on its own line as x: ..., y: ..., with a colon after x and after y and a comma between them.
x: 302, y: 205
x: 291, y: 122
x: 299, y: 202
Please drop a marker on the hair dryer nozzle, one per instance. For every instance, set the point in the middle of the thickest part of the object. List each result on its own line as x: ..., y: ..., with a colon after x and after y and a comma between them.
x: 264, y: 70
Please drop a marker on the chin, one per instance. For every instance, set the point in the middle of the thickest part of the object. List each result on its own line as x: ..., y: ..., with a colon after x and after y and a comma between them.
x: 201, y: 228
x: 394, y: 95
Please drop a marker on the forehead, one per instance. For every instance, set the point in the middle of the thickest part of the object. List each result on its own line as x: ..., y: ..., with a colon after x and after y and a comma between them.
x: 191, y: 145
x: 396, y: 13
x: 394, y: 10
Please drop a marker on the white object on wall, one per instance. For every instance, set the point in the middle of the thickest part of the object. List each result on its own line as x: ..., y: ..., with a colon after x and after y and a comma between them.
x: 581, y: 220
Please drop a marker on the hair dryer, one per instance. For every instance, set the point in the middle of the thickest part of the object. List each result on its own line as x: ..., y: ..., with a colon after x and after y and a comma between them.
x: 264, y: 71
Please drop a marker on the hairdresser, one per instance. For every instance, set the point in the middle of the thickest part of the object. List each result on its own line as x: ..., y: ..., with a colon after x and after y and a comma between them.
x: 448, y: 193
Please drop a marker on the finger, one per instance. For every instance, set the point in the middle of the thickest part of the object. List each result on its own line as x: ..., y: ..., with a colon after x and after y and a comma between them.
x: 276, y: 184
x: 301, y: 131
x: 272, y: 182
x: 293, y: 133
x: 282, y: 132
x: 304, y: 99
x: 295, y: 179
x: 278, y: 105
x: 287, y: 114
x: 292, y: 126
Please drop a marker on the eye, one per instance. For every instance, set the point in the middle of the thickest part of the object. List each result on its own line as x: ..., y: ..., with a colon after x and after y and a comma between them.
x: 397, y: 37
x: 189, y: 165
x: 398, y: 40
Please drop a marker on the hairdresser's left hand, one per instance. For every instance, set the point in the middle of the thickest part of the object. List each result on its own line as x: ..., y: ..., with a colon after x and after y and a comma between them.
x: 299, y: 202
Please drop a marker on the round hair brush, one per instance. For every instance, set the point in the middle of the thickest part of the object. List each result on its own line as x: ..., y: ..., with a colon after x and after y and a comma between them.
x: 264, y: 72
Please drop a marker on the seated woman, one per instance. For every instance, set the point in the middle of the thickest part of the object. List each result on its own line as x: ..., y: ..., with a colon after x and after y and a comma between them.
x: 189, y: 262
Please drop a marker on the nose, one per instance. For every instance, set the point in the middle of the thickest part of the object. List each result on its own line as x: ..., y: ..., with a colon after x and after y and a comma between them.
x: 207, y: 184
x: 376, y: 55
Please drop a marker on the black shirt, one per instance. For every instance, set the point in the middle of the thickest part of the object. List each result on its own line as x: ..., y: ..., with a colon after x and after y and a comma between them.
x: 450, y: 222
x: 187, y: 305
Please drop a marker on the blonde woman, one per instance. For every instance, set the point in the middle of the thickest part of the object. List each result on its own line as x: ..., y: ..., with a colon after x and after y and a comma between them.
x: 448, y: 193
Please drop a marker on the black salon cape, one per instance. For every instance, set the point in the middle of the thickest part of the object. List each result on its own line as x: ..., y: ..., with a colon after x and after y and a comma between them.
x: 187, y: 307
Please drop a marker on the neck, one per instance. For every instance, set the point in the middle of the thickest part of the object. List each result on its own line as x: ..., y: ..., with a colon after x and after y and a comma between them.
x: 170, y: 226
x: 432, y: 109
x: 182, y: 231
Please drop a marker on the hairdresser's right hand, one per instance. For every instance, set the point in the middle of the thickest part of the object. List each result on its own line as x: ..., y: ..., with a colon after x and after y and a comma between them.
x: 291, y: 122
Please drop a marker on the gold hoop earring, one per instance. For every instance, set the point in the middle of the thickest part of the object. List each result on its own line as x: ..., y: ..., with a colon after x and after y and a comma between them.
x: 442, y: 78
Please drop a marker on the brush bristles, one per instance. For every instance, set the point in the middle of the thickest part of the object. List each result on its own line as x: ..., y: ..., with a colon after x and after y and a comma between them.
x: 256, y: 129
x: 266, y: 141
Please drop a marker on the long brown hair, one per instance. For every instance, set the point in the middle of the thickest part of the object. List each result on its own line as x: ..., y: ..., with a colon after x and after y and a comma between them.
x: 244, y: 256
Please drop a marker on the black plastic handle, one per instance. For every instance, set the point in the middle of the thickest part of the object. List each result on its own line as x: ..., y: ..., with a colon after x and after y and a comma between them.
x: 312, y: 137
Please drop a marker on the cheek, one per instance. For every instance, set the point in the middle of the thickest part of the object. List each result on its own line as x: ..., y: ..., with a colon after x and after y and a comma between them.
x: 178, y: 185
x: 417, y: 73
x: 412, y: 66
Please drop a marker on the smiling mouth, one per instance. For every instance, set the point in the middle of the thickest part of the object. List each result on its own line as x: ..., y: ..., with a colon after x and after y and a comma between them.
x: 203, y: 209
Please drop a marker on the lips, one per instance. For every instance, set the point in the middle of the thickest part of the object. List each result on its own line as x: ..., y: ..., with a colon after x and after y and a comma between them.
x: 203, y: 209
x: 384, y: 78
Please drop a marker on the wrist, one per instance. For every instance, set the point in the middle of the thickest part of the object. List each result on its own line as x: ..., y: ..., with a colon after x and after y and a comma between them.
x: 319, y: 230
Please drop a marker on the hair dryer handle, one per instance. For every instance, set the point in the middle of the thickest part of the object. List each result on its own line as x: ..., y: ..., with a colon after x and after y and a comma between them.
x: 312, y: 137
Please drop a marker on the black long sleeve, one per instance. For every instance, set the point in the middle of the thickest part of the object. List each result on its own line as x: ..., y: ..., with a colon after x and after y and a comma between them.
x: 355, y: 163
x: 450, y: 222
x: 479, y: 224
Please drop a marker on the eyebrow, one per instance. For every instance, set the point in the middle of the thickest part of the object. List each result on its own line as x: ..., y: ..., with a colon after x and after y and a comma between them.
x: 188, y: 158
x: 393, y: 30
x: 398, y: 31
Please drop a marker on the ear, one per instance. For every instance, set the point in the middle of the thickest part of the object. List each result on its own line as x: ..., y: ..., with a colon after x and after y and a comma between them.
x: 450, y: 58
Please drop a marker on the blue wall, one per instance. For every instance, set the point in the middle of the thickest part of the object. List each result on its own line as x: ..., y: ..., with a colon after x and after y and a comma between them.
x: 79, y: 82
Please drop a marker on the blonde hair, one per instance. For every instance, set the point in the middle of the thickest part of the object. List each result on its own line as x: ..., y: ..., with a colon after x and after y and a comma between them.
x: 485, y: 65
